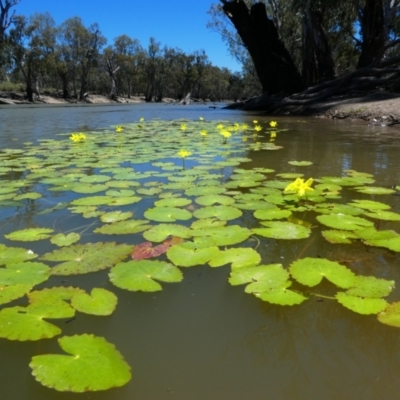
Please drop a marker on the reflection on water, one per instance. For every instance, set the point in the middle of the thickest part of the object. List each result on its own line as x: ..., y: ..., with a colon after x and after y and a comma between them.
x: 202, y: 338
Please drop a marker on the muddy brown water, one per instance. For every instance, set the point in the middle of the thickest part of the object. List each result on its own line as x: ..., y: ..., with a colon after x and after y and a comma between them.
x: 204, y: 339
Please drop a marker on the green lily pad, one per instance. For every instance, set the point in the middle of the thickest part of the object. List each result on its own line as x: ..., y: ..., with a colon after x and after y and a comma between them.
x: 310, y: 272
x: 336, y: 236
x: 282, y: 230
x: 85, y: 258
x: 211, y: 199
x: 143, y: 275
x: 272, y: 213
x: 188, y: 255
x: 173, y: 202
x: 99, y: 302
x: 95, y: 178
x: 369, y: 286
x: 221, y: 236
x: 115, y: 216
x: 207, y: 223
x: 161, y: 232
x: 92, y: 201
x: 31, y: 196
x: 12, y: 292
x: 374, y: 190
x: 89, y: 188
x: 120, y: 193
x: 300, y: 163
x: 24, y: 273
x: 30, y: 234
x: 224, y: 213
x: 123, y: 227
x: 10, y: 255
x: 360, y: 305
x: 369, y: 205
x: 93, y: 364
x: 390, y: 315
x: 167, y: 214
x: 281, y: 296
x: 332, y: 208
x: 237, y: 257
x: 123, y: 201
x: 65, y: 240
x: 347, y: 180
x: 383, y: 215
x: 344, y: 222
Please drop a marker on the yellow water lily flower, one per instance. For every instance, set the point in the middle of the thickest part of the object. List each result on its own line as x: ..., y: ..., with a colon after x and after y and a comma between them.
x: 220, y: 126
x: 201, y: 118
x: 119, y: 129
x: 183, y: 127
x: 258, y: 128
x: 203, y: 132
x: 255, y: 122
x: 273, y: 134
x: 273, y: 124
x: 243, y: 127
x: 300, y: 187
x: 141, y: 119
x: 184, y: 153
x: 226, y: 134
x: 78, y: 137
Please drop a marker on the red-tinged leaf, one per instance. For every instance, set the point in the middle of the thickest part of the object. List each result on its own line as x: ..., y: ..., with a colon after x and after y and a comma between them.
x: 146, y: 250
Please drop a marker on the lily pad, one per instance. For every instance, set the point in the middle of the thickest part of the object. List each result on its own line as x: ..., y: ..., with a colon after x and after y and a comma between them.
x: 10, y: 255
x: 173, y: 202
x: 374, y: 190
x: 281, y: 296
x: 384, y: 215
x: 360, y: 305
x: 93, y: 364
x: 30, y: 234
x: 65, y: 240
x: 123, y: 227
x: 224, y: 213
x: 188, y: 255
x: 209, y: 200
x: 85, y: 258
x: 369, y: 286
x: 24, y: 273
x: 115, y: 216
x: 390, y: 315
x: 300, y: 163
x: 336, y: 236
x: 221, y: 236
x: 273, y: 213
x: 310, y: 272
x: 282, y: 230
x: 344, y: 222
x: 167, y: 214
x: 12, y: 292
x: 143, y: 275
x: 161, y: 232
x: 99, y: 302
x: 237, y: 257
x: 369, y: 205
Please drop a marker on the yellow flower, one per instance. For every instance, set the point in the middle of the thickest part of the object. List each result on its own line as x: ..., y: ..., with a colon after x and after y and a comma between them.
x: 258, y: 128
x: 203, y: 132
x: 244, y: 127
x: 273, y: 134
x: 273, y: 124
x: 226, y: 134
x: 184, y: 153
x: 300, y: 187
x: 255, y: 122
x: 183, y: 127
x: 141, y: 119
x: 244, y: 138
x: 220, y: 126
x: 201, y: 118
x: 78, y: 137
x: 119, y: 129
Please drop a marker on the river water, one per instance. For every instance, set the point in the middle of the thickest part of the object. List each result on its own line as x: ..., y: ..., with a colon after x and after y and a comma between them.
x: 204, y: 339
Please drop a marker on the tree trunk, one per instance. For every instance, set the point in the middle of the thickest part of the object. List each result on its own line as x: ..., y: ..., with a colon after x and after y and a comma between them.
x: 317, y: 58
x: 373, y: 33
x: 274, y: 66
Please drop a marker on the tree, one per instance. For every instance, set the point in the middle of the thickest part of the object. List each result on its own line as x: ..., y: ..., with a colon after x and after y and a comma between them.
x: 5, y: 19
x: 272, y: 62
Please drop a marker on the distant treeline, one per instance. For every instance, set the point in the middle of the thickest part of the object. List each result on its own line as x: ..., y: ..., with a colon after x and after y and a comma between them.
x: 74, y: 60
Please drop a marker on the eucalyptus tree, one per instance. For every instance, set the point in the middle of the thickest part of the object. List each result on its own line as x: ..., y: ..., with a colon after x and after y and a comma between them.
x: 5, y: 19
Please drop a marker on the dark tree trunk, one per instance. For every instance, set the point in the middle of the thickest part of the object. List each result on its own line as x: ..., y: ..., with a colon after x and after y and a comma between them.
x: 373, y: 33
x: 274, y: 66
x: 317, y: 58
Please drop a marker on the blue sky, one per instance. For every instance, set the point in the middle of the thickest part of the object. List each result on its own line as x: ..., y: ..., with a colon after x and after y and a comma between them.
x: 175, y: 23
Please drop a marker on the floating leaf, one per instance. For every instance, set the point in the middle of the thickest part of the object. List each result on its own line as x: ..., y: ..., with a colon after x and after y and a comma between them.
x: 173, y: 202
x: 300, y: 163
x: 188, y: 255
x: 221, y: 236
x: 10, y: 255
x: 282, y: 230
x: 12, y: 292
x: 390, y: 315
x: 369, y: 286
x: 115, y: 216
x: 89, y: 257
x: 161, y: 232
x: 224, y: 213
x: 94, y: 364
x: 146, y: 250
x: 65, y: 240
x: 361, y: 306
x: 167, y: 214
x: 24, y: 273
x: 272, y: 213
x: 237, y: 257
x: 123, y: 227
x: 99, y: 302
x: 143, y: 275
x: 335, y: 236
x: 344, y: 222
x: 384, y: 215
x: 281, y: 296
x: 211, y: 199
x: 30, y: 234
x: 374, y: 190
x: 205, y: 223
x: 369, y: 205
x: 310, y: 271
